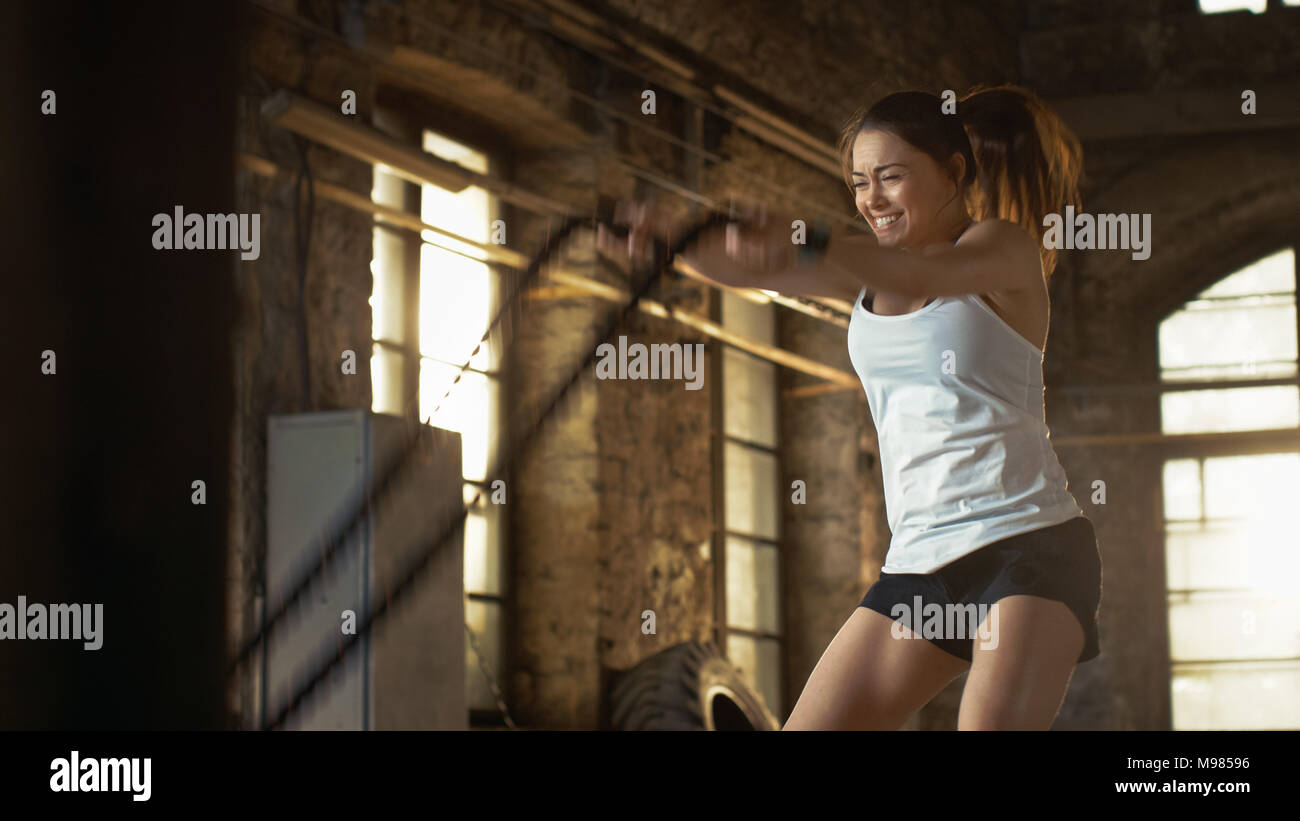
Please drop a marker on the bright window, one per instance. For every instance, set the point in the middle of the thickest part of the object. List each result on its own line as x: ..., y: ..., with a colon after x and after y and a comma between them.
x: 1253, y: 6
x: 433, y: 298
x: 1219, y: 6
x: 1243, y: 327
x: 1231, y: 552
x: 751, y: 476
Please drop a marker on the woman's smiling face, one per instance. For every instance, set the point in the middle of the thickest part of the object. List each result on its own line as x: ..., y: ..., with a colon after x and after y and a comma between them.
x: 900, y: 190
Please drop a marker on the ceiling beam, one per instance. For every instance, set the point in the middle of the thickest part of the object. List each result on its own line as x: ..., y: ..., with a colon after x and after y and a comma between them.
x: 1167, y: 113
x: 327, y: 127
x: 420, y: 72
x: 627, y: 44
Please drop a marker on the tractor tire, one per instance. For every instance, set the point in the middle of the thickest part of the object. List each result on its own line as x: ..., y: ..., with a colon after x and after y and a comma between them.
x: 690, y: 686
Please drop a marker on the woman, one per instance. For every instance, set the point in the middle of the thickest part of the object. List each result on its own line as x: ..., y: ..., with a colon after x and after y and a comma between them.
x: 947, y: 333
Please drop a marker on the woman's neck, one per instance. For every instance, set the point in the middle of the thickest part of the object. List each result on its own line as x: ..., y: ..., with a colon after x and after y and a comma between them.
x: 950, y: 234
x: 962, y: 227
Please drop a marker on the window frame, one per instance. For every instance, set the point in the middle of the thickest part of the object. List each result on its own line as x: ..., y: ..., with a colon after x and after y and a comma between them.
x: 723, y: 628
x: 1228, y: 444
x: 412, y: 360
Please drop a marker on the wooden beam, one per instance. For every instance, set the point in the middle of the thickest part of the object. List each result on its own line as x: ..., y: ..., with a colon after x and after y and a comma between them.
x: 1257, y: 441
x: 573, y: 18
x: 528, y: 119
x: 542, y: 293
x: 711, y: 329
x: 420, y: 71
x: 820, y: 389
x: 384, y: 213
x: 567, y: 18
x: 1147, y: 389
x: 790, y: 145
x: 327, y: 127
x: 570, y: 284
x: 574, y: 283
x: 500, y: 253
x: 311, y: 119
x: 819, y: 148
x: 1190, y: 111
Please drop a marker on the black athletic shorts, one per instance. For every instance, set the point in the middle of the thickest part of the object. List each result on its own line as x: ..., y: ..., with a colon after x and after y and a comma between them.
x: 1061, y: 562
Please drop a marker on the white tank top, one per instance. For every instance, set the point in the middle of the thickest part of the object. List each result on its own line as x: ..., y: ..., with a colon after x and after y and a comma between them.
x: 957, y: 398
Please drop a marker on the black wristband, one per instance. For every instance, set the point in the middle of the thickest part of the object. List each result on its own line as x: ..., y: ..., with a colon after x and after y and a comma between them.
x: 819, y: 236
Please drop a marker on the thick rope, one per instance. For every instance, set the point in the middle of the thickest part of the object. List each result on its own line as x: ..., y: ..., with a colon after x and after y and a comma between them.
x: 310, y: 570
x: 330, y: 656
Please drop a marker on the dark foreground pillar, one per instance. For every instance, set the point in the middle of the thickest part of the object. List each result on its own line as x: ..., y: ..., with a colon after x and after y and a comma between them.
x: 98, y: 459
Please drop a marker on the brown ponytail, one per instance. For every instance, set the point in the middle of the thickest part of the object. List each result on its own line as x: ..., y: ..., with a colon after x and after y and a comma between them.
x: 1029, y: 162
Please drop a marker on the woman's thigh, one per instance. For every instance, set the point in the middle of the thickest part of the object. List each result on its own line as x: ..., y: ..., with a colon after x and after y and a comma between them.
x: 1021, y: 683
x: 869, y: 679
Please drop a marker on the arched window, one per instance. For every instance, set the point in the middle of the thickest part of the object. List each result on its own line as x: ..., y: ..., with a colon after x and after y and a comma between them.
x: 1232, y: 543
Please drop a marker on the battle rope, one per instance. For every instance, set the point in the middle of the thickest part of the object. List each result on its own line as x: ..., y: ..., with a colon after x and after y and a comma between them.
x: 330, y: 656
x: 311, y: 569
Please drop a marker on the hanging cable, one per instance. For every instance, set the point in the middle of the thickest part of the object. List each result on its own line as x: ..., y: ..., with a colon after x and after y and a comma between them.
x: 302, y: 225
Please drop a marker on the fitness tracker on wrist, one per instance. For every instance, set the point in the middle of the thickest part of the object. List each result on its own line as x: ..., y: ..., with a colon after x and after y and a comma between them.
x: 819, y: 236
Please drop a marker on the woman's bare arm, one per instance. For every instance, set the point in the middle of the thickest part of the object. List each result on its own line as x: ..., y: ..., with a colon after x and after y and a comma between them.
x: 767, y: 258
x: 994, y: 255
x: 757, y: 253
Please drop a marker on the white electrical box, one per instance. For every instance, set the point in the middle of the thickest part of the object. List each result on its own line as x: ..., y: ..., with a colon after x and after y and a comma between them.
x: 409, y: 672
